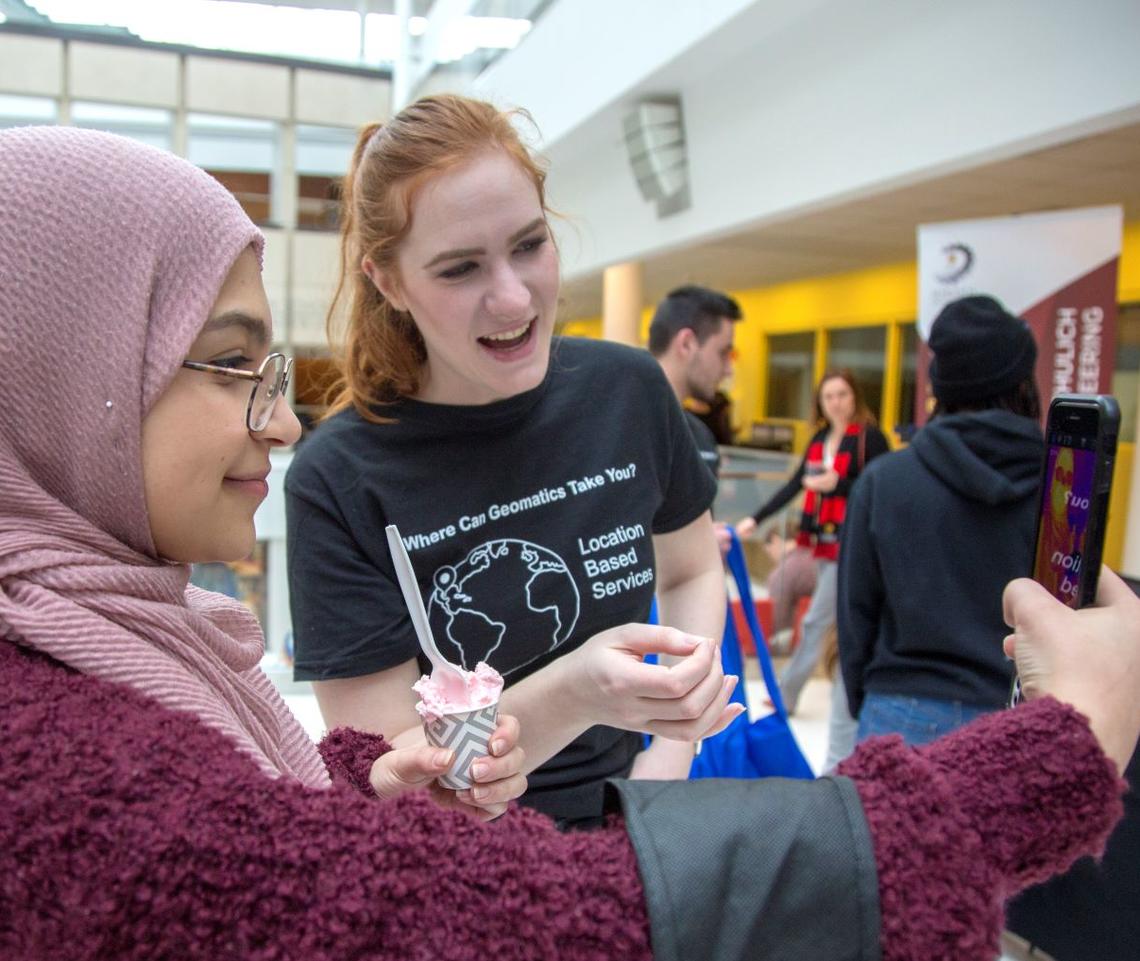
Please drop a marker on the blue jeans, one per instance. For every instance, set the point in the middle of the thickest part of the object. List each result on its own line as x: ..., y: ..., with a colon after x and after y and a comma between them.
x: 841, y: 726
x: 919, y: 720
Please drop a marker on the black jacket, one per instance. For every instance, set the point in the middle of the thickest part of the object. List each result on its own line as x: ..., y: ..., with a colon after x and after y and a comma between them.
x: 933, y: 535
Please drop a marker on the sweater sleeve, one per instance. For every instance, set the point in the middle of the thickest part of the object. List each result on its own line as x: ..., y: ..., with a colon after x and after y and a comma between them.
x: 349, y: 755
x: 963, y: 824
x: 133, y: 832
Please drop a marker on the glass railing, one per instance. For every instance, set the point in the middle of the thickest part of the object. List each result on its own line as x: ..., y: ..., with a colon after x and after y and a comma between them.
x: 748, y: 477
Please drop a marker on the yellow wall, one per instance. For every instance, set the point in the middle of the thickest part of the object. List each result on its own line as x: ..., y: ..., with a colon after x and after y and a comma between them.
x: 864, y: 298
x: 1118, y: 505
x: 1128, y: 281
x: 582, y: 327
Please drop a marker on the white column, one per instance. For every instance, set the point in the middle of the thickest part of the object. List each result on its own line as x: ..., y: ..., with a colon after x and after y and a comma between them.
x: 621, y: 303
x: 362, y: 13
x: 277, y: 620
x: 63, y: 118
x: 180, y: 132
x: 402, y: 69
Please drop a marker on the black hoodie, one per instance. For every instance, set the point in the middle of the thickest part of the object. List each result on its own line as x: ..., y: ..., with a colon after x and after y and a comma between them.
x: 933, y: 534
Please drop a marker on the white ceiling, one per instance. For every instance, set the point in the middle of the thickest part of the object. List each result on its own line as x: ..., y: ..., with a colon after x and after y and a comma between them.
x: 880, y: 229
x: 419, y: 7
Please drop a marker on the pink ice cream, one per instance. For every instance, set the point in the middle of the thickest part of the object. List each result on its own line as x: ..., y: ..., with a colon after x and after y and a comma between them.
x: 482, y: 687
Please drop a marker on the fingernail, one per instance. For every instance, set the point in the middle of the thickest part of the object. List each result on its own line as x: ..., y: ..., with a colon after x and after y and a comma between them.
x: 443, y: 758
x: 498, y: 747
x: 478, y: 770
x: 480, y: 793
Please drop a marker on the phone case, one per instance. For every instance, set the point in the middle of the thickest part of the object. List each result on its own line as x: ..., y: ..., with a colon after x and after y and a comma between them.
x: 1107, y: 429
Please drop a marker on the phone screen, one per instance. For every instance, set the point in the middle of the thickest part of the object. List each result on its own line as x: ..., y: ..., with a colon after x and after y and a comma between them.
x: 1066, y: 509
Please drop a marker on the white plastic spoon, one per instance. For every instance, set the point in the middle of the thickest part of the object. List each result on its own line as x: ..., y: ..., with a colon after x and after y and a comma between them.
x: 442, y: 669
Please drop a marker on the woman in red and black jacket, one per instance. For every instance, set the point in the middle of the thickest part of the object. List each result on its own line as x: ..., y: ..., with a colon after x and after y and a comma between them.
x: 837, y: 453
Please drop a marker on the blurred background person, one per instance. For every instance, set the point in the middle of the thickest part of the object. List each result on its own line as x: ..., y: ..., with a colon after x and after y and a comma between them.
x: 715, y: 415
x: 844, y: 443
x: 792, y: 578
x: 935, y: 533
x: 842, y: 728
x: 691, y: 335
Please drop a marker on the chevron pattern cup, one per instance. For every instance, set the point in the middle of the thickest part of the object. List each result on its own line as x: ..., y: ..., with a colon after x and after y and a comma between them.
x: 467, y: 734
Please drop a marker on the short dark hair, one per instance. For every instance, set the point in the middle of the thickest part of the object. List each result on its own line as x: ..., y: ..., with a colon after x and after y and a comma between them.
x: 697, y: 308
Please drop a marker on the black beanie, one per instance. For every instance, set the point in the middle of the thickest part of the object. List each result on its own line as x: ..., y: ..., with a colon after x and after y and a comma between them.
x: 980, y: 351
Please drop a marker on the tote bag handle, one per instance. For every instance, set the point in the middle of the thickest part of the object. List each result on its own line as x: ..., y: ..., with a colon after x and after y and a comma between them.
x: 739, y: 570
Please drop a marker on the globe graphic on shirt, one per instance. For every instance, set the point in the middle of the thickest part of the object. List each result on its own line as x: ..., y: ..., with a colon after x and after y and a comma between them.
x: 507, y: 602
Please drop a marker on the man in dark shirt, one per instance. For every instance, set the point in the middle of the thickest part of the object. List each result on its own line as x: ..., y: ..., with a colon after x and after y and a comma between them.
x: 691, y: 337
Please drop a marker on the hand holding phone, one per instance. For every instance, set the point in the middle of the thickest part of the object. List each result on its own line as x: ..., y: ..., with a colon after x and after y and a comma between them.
x: 1080, y: 436
x: 1088, y: 658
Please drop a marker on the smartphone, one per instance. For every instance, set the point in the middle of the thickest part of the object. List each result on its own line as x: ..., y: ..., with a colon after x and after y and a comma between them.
x: 1080, y: 453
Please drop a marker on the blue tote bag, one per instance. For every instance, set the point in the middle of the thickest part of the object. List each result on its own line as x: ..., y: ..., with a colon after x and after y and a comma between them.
x: 765, y: 747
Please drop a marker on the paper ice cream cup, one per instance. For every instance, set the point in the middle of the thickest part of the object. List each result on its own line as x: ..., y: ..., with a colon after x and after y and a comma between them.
x: 468, y: 734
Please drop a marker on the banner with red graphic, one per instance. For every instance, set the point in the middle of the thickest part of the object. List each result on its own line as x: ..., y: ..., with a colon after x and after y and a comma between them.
x: 1056, y: 270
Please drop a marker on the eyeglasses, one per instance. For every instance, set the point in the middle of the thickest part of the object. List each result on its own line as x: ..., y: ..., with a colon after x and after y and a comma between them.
x: 269, y: 382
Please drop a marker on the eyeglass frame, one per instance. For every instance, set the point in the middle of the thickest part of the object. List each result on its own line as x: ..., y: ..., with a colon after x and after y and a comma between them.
x: 258, y: 377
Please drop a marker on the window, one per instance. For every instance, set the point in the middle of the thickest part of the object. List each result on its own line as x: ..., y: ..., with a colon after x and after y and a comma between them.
x: 241, y: 153
x: 318, y: 202
x: 21, y: 111
x: 150, y: 125
x: 863, y: 351
x: 323, y: 156
x: 790, y: 369
x: 1126, y: 374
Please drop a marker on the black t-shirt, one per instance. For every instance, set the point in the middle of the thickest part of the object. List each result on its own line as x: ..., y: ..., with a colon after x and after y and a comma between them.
x: 529, y: 522
x: 705, y: 440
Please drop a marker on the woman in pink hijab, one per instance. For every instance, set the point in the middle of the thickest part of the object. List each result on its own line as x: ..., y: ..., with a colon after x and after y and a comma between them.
x: 136, y: 323
x: 158, y: 801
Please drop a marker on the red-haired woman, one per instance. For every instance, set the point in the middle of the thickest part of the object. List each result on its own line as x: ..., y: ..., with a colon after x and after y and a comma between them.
x: 545, y: 487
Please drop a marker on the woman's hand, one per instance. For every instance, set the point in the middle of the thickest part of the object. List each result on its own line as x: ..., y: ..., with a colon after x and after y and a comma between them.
x: 498, y: 776
x: 821, y: 483
x: 745, y: 528
x: 684, y: 701
x: 1088, y: 658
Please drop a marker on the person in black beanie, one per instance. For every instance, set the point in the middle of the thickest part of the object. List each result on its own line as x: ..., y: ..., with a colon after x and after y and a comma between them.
x: 982, y: 377
x: 935, y: 532
x: 983, y: 357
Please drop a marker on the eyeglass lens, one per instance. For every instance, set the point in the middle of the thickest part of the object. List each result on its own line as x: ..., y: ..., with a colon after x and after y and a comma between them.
x: 266, y: 392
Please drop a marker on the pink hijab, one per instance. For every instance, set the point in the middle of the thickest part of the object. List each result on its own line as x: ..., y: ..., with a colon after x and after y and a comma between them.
x: 111, y: 255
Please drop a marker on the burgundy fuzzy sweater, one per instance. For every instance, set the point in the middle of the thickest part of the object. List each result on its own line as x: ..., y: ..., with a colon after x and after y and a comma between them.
x: 131, y: 831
